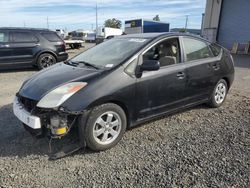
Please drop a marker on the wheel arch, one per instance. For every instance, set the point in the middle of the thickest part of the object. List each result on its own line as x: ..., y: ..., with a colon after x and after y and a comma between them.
x: 114, y: 101
x: 45, y: 52
x: 227, y: 81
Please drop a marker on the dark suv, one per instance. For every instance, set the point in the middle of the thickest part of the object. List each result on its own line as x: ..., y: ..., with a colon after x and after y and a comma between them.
x: 39, y: 47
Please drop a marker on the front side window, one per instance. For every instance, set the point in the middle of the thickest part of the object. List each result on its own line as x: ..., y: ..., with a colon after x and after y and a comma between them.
x: 166, y: 52
x: 196, y: 49
x: 23, y: 37
x: 4, y: 36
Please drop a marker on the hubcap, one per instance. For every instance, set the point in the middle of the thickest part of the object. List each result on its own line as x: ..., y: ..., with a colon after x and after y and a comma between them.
x: 107, y: 128
x: 47, y: 61
x: 220, y: 93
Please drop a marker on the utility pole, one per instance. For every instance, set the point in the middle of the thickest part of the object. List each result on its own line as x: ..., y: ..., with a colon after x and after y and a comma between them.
x: 186, y: 23
x: 96, y: 17
x: 47, y: 22
x: 24, y: 24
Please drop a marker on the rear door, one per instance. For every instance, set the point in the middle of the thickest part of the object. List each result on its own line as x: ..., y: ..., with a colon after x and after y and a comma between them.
x: 203, y: 68
x: 24, y: 46
x: 5, y: 50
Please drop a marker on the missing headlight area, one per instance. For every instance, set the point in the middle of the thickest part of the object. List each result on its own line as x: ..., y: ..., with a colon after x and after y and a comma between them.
x: 58, y: 126
x: 61, y: 131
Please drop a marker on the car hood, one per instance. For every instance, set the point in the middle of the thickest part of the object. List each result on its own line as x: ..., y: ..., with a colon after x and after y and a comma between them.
x: 46, y: 80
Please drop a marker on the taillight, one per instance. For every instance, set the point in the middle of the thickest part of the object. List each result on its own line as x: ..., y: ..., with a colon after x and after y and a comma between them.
x: 63, y: 46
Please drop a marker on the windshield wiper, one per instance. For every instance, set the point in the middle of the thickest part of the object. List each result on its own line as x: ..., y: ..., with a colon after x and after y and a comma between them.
x: 86, y: 64
x: 71, y: 63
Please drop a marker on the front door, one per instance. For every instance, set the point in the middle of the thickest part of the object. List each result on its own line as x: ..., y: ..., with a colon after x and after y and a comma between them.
x: 162, y: 90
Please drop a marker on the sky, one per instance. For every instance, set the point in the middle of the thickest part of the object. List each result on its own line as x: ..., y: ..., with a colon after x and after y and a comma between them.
x: 80, y: 14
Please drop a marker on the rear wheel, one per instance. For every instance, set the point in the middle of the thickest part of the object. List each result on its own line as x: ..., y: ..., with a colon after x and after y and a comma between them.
x: 219, y: 94
x: 105, y: 127
x: 45, y: 60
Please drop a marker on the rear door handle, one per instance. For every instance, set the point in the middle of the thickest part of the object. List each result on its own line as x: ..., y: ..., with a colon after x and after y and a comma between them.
x: 216, y: 66
x: 180, y: 75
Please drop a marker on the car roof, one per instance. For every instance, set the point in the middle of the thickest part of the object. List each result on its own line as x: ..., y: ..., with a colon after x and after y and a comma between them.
x: 157, y: 35
x: 25, y: 29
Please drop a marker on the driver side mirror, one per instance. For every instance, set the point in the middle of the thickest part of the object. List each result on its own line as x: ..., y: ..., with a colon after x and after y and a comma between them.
x: 150, y: 65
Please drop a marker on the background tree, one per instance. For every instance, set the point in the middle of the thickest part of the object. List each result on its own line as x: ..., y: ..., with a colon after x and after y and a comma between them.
x: 183, y: 30
x: 114, y: 23
x: 156, y: 18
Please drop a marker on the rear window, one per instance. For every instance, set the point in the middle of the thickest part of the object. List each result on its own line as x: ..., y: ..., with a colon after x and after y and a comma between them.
x: 4, y: 36
x: 21, y: 36
x: 52, y: 37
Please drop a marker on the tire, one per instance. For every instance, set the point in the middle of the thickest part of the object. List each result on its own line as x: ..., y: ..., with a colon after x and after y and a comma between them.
x: 77, y: 46
x: 45, y: 60
x: 104, y: 128
x: 219, y: 94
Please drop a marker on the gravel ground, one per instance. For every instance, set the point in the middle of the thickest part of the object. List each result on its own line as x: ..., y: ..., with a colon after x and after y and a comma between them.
x: 199, y: 147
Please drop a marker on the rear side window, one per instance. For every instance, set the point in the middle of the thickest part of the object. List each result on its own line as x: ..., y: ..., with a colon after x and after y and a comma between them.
x: 52, y: 37
x: 215, y: 49
x: 196, y: 49
x: 4, y: 36
x: 23, y: 37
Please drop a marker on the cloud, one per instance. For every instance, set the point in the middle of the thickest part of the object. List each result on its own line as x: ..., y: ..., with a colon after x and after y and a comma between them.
x: 81, y: 13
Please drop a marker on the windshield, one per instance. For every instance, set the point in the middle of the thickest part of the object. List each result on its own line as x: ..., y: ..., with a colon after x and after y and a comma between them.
x: 110, y: 53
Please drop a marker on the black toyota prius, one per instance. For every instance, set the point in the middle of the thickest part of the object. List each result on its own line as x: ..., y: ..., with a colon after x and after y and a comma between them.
x: 121, y: 83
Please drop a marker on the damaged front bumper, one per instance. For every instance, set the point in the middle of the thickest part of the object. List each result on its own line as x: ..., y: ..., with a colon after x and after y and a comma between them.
x: 48, y: 122
x: 57, y: 125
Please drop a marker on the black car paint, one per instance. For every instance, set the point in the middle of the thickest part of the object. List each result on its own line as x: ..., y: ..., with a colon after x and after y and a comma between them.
x: 27, y: 53
x: 142, y: 97
x: 54, y: 78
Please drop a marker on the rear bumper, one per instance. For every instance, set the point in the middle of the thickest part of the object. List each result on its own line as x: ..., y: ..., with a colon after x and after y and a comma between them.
x: 62, y: 56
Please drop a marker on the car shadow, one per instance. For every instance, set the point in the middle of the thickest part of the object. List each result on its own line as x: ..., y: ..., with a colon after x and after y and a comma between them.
x: 15, y: 141
x: 16, y: 68
x: 169, y: 115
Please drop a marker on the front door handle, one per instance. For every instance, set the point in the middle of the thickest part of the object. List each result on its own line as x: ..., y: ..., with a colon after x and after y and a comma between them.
x: 180, y: 75
x: 5, y: 45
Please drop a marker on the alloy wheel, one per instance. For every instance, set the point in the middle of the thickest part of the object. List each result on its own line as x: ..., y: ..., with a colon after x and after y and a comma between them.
x: 220, y: 93
x: 47, y: 61
x: 107, y: 128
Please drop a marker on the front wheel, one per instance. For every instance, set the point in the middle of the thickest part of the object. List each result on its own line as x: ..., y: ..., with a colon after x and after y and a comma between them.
x: 105, y: 127
x: 219, y: 94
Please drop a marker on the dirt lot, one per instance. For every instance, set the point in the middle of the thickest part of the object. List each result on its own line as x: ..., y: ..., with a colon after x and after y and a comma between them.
x: 199, y: 147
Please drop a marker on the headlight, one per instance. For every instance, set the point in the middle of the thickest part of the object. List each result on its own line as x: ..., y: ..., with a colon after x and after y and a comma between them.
x: 59, y: 95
